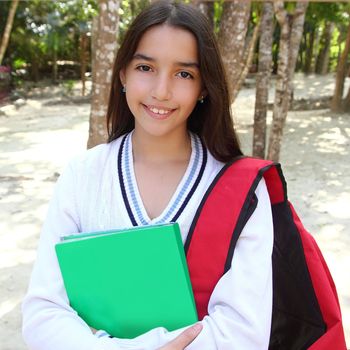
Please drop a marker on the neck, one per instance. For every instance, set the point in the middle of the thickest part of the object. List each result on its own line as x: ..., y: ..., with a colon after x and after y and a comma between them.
x: 161, y: 149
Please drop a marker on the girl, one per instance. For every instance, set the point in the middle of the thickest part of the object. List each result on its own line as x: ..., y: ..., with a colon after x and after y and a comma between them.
x: 170, y: 133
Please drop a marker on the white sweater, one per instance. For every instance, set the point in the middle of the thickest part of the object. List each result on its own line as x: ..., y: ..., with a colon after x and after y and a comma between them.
x: 98, y: 191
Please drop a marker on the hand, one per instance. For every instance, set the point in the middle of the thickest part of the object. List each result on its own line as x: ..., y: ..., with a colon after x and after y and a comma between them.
x: 184, y: 339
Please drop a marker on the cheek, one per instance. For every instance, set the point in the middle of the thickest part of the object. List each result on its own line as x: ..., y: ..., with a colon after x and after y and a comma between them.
x: 136, y: 93
x: 188, y: 95
x: 137, y: 85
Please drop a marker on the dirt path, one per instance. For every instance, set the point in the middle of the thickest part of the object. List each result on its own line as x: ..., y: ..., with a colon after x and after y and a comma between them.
x: 38, y: 137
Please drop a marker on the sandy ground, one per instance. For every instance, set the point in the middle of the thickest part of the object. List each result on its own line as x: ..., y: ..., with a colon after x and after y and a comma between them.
x: 39, y: 135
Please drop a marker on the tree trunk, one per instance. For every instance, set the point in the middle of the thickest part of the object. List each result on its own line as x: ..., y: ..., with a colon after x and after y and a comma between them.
x: 104, y: 49
x: 291, y: 32
x: 8, y: 28
x: 34, y: 70
x: 315, y: 49
x: 309, y: 51
x: 207, y: 8
x: 54, y: 66
x: 281, y: 82
x: 336, y: 104
x: 346, y: 102
x: 297, y: 28
x: 262, y: 80
x: 323, y: 62
x: 301, y: 54
x: 233, y: 30
x: 83, y: 43
x: 247, y: 60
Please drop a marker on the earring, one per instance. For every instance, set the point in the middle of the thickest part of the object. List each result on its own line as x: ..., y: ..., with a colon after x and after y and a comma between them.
x: 201, y: 99
x: 124, y: 88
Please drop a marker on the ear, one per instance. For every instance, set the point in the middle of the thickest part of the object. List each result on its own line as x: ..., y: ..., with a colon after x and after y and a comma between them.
x: 204, y: 93
x: 122, y: 76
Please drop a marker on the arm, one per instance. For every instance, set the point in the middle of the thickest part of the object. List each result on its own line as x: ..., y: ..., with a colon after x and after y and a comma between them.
x: 240, y: 306
x: 49, y: 323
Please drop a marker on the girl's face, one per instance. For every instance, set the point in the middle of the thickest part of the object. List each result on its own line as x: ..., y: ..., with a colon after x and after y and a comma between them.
x: 163, y: 82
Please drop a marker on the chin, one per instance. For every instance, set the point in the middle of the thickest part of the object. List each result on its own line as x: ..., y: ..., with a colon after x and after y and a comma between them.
x: 160, y: 131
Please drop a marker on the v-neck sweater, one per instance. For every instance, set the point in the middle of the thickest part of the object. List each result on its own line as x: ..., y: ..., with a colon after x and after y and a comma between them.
x: 89, y: 196
x: 180, y: 198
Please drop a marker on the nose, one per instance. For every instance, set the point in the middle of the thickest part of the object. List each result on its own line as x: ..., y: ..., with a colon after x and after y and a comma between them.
x: 162, y: 88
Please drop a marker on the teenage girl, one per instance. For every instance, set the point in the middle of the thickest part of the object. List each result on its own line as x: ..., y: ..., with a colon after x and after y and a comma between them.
x: 170, y: 133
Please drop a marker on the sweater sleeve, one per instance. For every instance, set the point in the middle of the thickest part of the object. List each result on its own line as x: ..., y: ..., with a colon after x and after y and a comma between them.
x: 49, y: 323
x: 239, y: 310
x: 240, y: 307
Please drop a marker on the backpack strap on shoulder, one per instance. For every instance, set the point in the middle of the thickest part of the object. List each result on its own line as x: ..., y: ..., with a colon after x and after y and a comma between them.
x: 306, y: 313
x: 219, y: 220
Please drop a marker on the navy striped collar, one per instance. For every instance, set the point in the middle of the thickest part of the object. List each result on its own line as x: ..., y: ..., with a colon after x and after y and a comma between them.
x: 184, y: 191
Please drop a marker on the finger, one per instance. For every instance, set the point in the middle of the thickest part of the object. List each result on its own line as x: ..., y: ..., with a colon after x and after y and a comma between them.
x: 186, y: 337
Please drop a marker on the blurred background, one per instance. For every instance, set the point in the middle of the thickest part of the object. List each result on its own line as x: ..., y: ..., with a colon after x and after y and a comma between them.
x: 288, y: 66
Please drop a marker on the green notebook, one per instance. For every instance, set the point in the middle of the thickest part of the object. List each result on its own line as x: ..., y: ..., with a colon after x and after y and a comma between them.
x: 128, y: 281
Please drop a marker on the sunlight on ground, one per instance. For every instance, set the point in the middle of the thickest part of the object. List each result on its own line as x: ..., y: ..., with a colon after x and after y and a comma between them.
x: 38, y: 139
x: 338, y: 207
x: 9, y: 258
x: 315, y: 158
x: 8, y: 305
x: 311, y: 85
x: 36, y: 143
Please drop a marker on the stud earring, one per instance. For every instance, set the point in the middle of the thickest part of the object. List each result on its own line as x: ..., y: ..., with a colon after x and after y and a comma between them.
x: 124, y: 88
x: 201, y: 99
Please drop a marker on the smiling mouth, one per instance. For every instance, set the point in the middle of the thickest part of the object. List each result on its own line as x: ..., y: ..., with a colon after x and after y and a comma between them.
x: 158, y: 112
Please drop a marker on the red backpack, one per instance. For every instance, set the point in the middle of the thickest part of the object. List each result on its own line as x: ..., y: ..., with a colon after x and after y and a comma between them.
x: 306, y: 312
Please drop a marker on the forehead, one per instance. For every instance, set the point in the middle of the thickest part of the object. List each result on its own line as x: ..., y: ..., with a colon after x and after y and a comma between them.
x: 168, y: 43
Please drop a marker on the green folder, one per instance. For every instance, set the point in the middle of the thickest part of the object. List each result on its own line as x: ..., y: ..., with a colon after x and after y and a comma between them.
x: 128, y: 282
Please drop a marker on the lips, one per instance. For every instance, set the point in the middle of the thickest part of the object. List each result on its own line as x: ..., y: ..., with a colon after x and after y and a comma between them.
x: 158, y: 112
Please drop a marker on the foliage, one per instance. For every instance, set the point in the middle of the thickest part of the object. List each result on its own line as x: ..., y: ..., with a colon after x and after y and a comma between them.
x: 19, y: 63
x: 317, y: 17
x: 68, y: 86
x: 129, y: 9
x: 48, y: 31
x: 217, y: 15
x: 44, y: 31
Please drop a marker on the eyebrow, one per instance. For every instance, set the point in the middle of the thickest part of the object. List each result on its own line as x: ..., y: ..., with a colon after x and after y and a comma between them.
x: 140, y: 56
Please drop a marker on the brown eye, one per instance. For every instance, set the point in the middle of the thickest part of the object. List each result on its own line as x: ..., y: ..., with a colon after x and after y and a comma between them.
x: 185, y: 75
x: 143, y: 68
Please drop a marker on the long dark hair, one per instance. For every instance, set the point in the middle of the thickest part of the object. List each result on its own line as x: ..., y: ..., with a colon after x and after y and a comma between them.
x: 211, y: 120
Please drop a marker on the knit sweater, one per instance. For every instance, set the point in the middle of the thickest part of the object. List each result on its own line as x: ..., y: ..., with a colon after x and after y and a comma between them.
x: 98, y: 191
